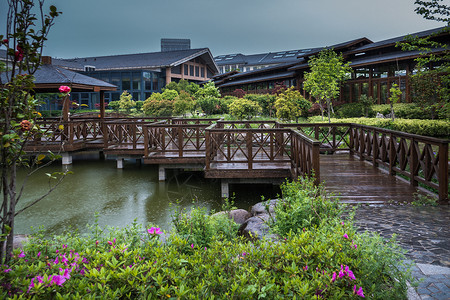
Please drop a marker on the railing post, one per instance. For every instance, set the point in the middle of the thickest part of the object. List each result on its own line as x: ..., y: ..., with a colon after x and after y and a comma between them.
x: 316, y: 162
x: 362, y: 144
x: 392, y: 152
x: 208, y: 150
x: 352, y: 140
x: 443, y: 172
x: 134, y: 134
x: 249, y: 149
x: 375, y: 148
x: 146, y: 141
x: 413, y: 161
x: 180, y: 140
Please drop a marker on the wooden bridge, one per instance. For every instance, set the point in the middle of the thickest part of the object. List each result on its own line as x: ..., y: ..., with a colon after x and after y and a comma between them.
x: 246, y: 151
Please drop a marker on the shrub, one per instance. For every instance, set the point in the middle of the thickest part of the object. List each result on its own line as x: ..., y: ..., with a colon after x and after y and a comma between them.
x: 242, y: 108
x: 202, y: 259
x: 290, y: 105
x: 138, y: 105
x: 126, y: 102
x: 266, y: 101
x: 239, y: 93
x: 169, y: 94
x: 353, y: 110
x: 209, y: 105
x: 114, y: 105
x: 156, y: 105
x: 184, y: 103
x: 403, y: 110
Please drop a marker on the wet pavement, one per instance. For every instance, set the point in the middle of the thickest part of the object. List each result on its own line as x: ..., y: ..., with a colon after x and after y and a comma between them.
x: 423, y: 231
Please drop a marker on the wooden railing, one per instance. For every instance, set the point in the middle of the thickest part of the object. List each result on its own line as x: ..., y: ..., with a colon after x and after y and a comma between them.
x: 305, y: 157
x: 420, y: 159
x: 180, y: 139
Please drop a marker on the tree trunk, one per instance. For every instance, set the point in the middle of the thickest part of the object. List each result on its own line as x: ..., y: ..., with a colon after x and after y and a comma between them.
x: 328, y: 110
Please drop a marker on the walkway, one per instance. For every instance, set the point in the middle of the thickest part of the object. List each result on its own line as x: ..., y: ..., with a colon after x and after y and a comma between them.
x: 356, y: 181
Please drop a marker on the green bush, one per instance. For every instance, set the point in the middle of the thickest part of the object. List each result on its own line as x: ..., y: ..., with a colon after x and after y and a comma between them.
x: 266, y: 101
x: 403, y: 111
x: 139, y: 105
x: 322, y: 257
x: 304, y: 205
x: 114, y: 105
x: 353, y: 110
x: 242, y: 108
x: 156, y: 105
x: 432, y: 128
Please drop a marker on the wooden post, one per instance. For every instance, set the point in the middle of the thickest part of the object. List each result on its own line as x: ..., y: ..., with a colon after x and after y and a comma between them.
x: 102, y: 104
x: 180, y: 141
x: 443, y: 172
x: 66, y: 106
x: 146, y: 142
x: 249, y: 150
x: 375, y: 148
x: 392, y: 153
x: 316, y: 162
x: 413, y: 161
x: 208, y: 150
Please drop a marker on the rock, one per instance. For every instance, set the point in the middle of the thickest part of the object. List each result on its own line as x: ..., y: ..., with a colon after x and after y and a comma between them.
x: 237, y: 215
x: 379, y: 116
x: 20, y: 240
x: 256, y: 228
x: 260, y: 208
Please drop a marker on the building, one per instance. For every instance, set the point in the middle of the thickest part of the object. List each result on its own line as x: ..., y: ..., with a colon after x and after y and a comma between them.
x: 140, y: 74
x: 376, y: 66
x: 175, y: 44
x: 245, y: 63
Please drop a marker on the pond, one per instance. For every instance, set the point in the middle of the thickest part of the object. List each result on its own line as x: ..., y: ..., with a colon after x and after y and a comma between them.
x: 119, y: 196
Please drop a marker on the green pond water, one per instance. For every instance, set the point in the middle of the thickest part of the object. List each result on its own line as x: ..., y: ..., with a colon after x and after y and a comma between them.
x: 119, y: 196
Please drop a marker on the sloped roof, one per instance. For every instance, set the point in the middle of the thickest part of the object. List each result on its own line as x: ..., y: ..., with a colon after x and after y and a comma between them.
x: 393, y: 41
x: 260, y: 78
x: 268, y: 58
x: 340, y: 46
x: 150, y: 60
x: 48, y: 78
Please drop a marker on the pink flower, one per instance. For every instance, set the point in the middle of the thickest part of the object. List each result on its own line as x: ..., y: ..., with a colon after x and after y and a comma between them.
x: 58, y: 280
x: 192, y: 246
x: 39, y: 254
x: 154, y: 230
x: 22, y: 254
x: 333, y: 279
x: 7, y: 270
x: 358, y: 292
x: 342, y: 222
x: 66, y: 273
x: 110, y: 243
x: 345, y: 236
x: 64, y: 89
x: 96, y: 243
x: 19, y: 53
x: 355, y: 246
x: 349, y: 273
x: 305, y: 268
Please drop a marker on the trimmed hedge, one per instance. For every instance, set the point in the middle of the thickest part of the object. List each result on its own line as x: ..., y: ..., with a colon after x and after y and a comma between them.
x: 432, y: 128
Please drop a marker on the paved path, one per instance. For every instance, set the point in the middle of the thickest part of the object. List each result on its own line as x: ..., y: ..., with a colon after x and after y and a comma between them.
x: 425, y: 233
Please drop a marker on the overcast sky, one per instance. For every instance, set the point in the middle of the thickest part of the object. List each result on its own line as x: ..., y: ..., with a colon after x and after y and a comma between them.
x: 108, y: 27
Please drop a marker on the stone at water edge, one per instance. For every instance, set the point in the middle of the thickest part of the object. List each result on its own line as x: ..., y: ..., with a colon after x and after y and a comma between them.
x: 237, y: 215
x: 256, y: 228
x: 260, y: 208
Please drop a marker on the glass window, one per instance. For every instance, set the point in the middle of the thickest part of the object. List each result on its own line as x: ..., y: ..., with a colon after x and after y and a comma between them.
x: 147, y: 80
x: 147, y: 95
x: 191, y: 70
x: 155, y: 84
x: 176, y: 70
x: 203, y: 71
x: 126, y: 82
x: 115, y: 79
x: 136, y: 96
x: 115, y: 96
x: 197, y: 71
x: 186, y: 69
x: 383, y: 92
x: 136, y: 81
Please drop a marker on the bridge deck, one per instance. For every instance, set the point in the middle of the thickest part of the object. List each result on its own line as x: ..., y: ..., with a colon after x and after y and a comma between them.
x: 355, y: 181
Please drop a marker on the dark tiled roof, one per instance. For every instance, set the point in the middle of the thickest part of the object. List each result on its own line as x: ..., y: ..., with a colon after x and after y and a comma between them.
x: 386, y: 57
x: 260, y: 78
x: 268, y: 58
x: 49, y: 74
x: 338, y: 47
x: 264, y: 70
x: 137, y: 61
x: 393, y: 41
x: 53, y: 75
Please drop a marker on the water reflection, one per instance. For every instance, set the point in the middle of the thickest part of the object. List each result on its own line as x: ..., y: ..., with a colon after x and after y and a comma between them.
x: 120, y: 195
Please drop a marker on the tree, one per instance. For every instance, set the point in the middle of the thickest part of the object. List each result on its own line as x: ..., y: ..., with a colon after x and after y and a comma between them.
x: 208, y: 98
x: 157, y: 105
x: 290, y: 105
x: 126, y: 101
x: 323, y: 81
x: 395, y: 97
x: 431, y: 82
x: 25, y: 35
x: 184, y: 103
x: 243, y: 108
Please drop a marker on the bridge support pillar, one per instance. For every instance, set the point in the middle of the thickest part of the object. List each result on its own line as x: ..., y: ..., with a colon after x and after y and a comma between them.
x: 119, y: 162
x: 162, y: 173
x: 66, y: 158
x: 225, y: 188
